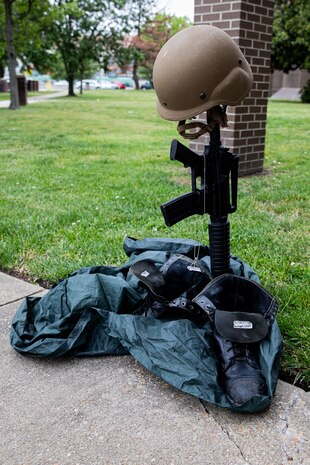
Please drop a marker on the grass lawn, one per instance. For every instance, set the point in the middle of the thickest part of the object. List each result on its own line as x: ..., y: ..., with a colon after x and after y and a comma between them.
x: 79, y: 174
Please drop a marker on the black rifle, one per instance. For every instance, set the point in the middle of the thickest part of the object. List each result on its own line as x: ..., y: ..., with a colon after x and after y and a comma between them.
x: 217, y: 170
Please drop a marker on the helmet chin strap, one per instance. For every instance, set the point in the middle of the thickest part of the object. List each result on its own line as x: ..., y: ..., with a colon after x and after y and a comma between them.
x: 217, y: 115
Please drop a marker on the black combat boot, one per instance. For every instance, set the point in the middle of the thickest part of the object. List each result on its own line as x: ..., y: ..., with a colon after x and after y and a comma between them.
x: 242, y: 312
x: 172, y: 288
x: 240, y: 372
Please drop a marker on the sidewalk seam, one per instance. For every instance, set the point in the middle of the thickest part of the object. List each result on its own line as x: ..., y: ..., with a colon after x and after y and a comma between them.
x: 227, y: 434
x: 21, y: 298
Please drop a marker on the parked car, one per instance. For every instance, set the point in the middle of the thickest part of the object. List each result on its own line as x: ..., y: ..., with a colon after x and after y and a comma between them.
x: 106, y: 84
x: 119, y: 85
x: 88, y: 84
x: 61, y: 83
x: 145, y: 84
x: 127, y: 81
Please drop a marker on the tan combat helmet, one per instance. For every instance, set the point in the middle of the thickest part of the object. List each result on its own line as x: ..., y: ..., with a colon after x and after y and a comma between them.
x: 199, y: 68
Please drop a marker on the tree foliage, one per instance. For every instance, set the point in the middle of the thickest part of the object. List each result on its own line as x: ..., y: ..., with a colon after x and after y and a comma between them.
x: 14, y: 13
x: 66, y: 36
x: 138, y: 14
x: 291, y: 35
x: 82, y: 31
x: 145, y: 45
x: 155, y: 35
x: 26, y: 17
x: 19, y: 30
x: 3, y: 52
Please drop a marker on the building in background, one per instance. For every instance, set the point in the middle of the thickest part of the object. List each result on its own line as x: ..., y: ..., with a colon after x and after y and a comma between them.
x: 288, y: 85
x: 249, y: 23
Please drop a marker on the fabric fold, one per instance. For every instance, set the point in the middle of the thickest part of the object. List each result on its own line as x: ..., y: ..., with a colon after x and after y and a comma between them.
x: 91, y: 313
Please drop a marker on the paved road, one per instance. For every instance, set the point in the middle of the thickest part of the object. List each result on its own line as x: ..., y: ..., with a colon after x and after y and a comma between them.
x: 111, y: 411
x: 39, y: 98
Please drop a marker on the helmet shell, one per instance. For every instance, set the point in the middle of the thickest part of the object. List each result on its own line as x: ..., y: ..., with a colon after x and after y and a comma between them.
x: 198, y: 68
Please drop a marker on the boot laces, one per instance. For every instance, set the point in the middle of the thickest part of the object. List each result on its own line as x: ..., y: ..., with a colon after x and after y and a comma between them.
x: 239, y: 352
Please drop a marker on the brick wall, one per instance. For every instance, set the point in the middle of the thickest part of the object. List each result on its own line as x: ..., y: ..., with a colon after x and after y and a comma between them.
x: 249, y: 23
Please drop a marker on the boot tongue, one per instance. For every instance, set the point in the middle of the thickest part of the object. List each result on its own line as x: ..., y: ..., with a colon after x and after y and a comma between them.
x: 150, y: 276
x: 179, y: 276
x: 243, y: 327
x: 240, y: 351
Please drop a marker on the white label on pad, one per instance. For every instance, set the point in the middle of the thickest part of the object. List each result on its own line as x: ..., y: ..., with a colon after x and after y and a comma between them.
x: 145, y: 274
x: 237, y: 324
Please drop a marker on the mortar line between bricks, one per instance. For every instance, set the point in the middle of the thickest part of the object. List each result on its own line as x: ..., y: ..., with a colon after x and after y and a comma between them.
x: 227, y: 434
x: 20, y: 298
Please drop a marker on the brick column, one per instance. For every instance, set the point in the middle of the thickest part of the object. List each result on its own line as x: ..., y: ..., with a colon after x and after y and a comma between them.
x: 249, y: 23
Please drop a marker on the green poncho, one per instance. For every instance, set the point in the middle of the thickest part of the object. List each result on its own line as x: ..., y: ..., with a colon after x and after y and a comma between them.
x: 89, y: 314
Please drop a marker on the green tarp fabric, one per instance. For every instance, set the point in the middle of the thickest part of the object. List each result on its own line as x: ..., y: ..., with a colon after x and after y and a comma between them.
x: 89, y: 314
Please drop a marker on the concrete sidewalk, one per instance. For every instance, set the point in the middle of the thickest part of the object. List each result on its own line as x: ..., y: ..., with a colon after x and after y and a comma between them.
x: 37, y: 99
x: 111, y: 411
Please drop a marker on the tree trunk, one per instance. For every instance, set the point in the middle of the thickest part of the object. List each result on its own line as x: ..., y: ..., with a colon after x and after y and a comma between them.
x: 71, y: 87
x: 12, y: 62
x: 81, y: 80
x: 135, y: 75
x: 1, y: 70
